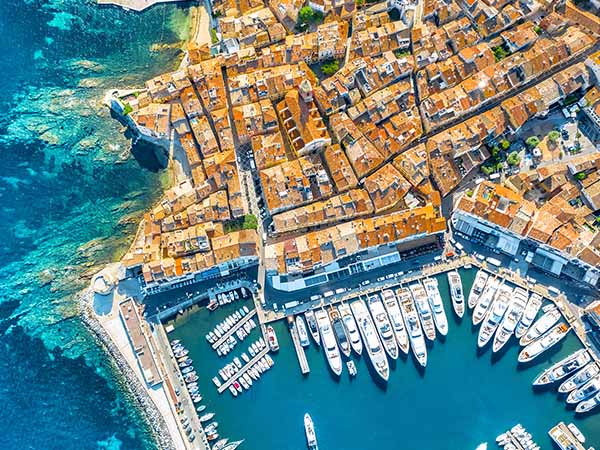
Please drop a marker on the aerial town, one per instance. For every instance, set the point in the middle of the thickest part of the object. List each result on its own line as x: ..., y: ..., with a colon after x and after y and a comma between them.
x: 318, y: 147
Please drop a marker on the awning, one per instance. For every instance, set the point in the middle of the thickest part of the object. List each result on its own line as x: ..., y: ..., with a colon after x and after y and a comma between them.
x: 508, y: 244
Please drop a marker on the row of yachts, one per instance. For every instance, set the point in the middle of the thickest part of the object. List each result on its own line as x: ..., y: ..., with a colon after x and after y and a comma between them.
x: 580, y: 380
x: 391, y: 322
x: 215, y: 336
x: 225, y: 298
x: 503, y: 311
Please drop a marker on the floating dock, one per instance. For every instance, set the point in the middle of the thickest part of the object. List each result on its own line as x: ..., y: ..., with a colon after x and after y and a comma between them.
x: 304, y: 367
x: 564, y: 438
x: 233, y: 329
x: 243, y: 370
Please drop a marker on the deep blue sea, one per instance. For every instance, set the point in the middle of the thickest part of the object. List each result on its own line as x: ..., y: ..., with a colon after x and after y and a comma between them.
x: 70, y: 194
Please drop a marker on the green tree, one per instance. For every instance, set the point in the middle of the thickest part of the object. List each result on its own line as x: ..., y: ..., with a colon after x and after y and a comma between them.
x: 504, y: 144
x: 306, y: 14
x: 500, y: 53
x: 127, y: 109
x: 553, y: 136
x: 330, y: 67
x: 537, y: 29
x: 513, y: 159
x: 532, y: 141
x: 213, y: 36
x: 580, y: 176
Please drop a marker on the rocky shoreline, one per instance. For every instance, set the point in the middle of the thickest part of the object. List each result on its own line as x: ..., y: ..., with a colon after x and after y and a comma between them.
x: 155, y: 420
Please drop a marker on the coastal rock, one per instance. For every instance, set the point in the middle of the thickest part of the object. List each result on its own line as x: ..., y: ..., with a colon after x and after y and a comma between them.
x: 45, y: 277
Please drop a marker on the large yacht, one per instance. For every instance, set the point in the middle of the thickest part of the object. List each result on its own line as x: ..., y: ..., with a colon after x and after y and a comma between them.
x: 413, y: 325
x: 309, y: 430
x: 422, y: 305
x: 456, y: 292
x: 539, y: 346
x: 393, y: 310
x: 511, y: 319
x: 437, y: 305
x: 340, y: 331
x: 485, y: 300
x: 584, y: 392
x: 312, y: 325
x: 563, y: 368
x: 531, y: 311
x: 591, y: 403
x: 581, y: 377
x: 302, y: 333
x: 329, y: 344
x: 371, y: 339
x: 351, y: 328
x: 540, y: 326
x: 478, y: 285
x: 494, y: 316
x: 382, y: 322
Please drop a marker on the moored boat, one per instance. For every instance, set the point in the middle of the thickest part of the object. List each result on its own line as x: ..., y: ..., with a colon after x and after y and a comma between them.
x: 332, y: 351
x: 540, y: 326
x: 437, y: 305
x: 309, y: 431
x: 339, y: 331
x: 588, y: 405
x: 456, y: 293
x: 581, y: 377
x: 395, y: 315
x: 413, y: 325
x: 351, y: 328
x: 485, y: 300
x: 563, y: 368
x: 232, y: 445
x: 351, y: 368
x: 422, y: 306
x: 494, y: 316
x: 382, y: 323
x: 531, y: 311
x: 272, y: 339
x: 371, y: 339
x: 586, y: 391
x: 540, y: 345
x: 312, y: 325
x: 511, y: 319
x: 478, y: 285
x: 302, y: 333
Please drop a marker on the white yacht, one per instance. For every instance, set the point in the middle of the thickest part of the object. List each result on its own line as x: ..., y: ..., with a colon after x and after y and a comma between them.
x: 494, y: 316
x: 371, y: 339
x: 540, y: 345
x: 422, y: 305
x: 312, y: 325
x: 382, y: 322
x: 309, y: 430
x: 531, y: 311
x: 413, y: 325
x: 581, y: 377
x: 456, y: 292
x: 563, y: 368
x: 437, y: 305
x: 395, y: 315
x: 340, y: 331
x: 511, y: 319
x: 588, y: 405
x: 351, y: 328
x: 540, y: 326
x: 584, y: 392
x: 485, y: 300
x: 302, y: 333
x: 329, y: 344
x: 478, y: 285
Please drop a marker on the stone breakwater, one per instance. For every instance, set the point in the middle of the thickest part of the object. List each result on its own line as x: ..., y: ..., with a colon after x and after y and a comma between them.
x: 158, y: 426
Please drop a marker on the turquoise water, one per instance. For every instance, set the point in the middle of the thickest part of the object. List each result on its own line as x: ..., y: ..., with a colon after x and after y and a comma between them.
x: 70, y: 198
x: 461, y: 399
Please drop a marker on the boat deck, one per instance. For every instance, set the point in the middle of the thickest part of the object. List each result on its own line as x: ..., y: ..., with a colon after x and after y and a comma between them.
x: 564, y: 438
x: 233, y: 329
x: 243, y: 370
x: 304, y: 367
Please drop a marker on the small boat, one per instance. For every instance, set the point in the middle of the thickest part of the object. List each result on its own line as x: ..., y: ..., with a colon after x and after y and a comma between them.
x: 511, y: 319
x: 237, y: 362
x: 485, y: 300
x: 220, y: 444
x: 539, y: 346
x: 245, y: 357
x: 540, y: 326
x: 351, y: 328
x: 563, y: 368
x: 175, y: 342
x: 576, y: 432
x: 340, y: 331
x: 312, y: 325
x: 456, y: 292
x: 332, y: 351
x: 186, y: 363
x: 478, y: 286
x: 588, y: 405
x: 351, y: 368
x: 212, y: 305
x: 243, y: 382
x: 382, y: 323
x: 302, y: 333
x: 436, y: 304
x: 422, y: 306
x: 216, y: 381
x: 272, y: 339
x: 232, y: 445
x: 237, y: 386
x: 233, y: 391
x: 413, y: 325
x: 371, y: 339
x: 182, y: 353
x: 187, y: 369
x: 395, y: 315
x: 206, y: 417
x: 212, y: 437
x: 309, y: 430
x: 197, y: 398
x: 191, y: 377
x: 586, y: 391
x: 201, y: 408
x: 579, y: 379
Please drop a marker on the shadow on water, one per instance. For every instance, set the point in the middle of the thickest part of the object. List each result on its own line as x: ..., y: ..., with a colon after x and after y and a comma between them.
x: 145, y: 154
x: 497, y: 356
x: 546, y: 357
x: 379, y: 382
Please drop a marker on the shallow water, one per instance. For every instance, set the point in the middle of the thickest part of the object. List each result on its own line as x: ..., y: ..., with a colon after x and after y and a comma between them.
x: 463, y: 397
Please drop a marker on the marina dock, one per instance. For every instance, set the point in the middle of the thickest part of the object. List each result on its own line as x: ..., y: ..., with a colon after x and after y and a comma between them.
x: 243, y: 370
x: 233, y: 329
x: 564, y: 438
x: 304, y: 367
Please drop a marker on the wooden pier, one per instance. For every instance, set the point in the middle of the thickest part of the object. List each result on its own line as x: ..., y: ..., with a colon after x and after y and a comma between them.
x: 564, y: 438
x: 233, y: 329
x: 304, y: 367
x: 243, y: 370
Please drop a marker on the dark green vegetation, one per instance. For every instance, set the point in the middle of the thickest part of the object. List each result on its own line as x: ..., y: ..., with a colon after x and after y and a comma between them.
x: 247, y: 222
